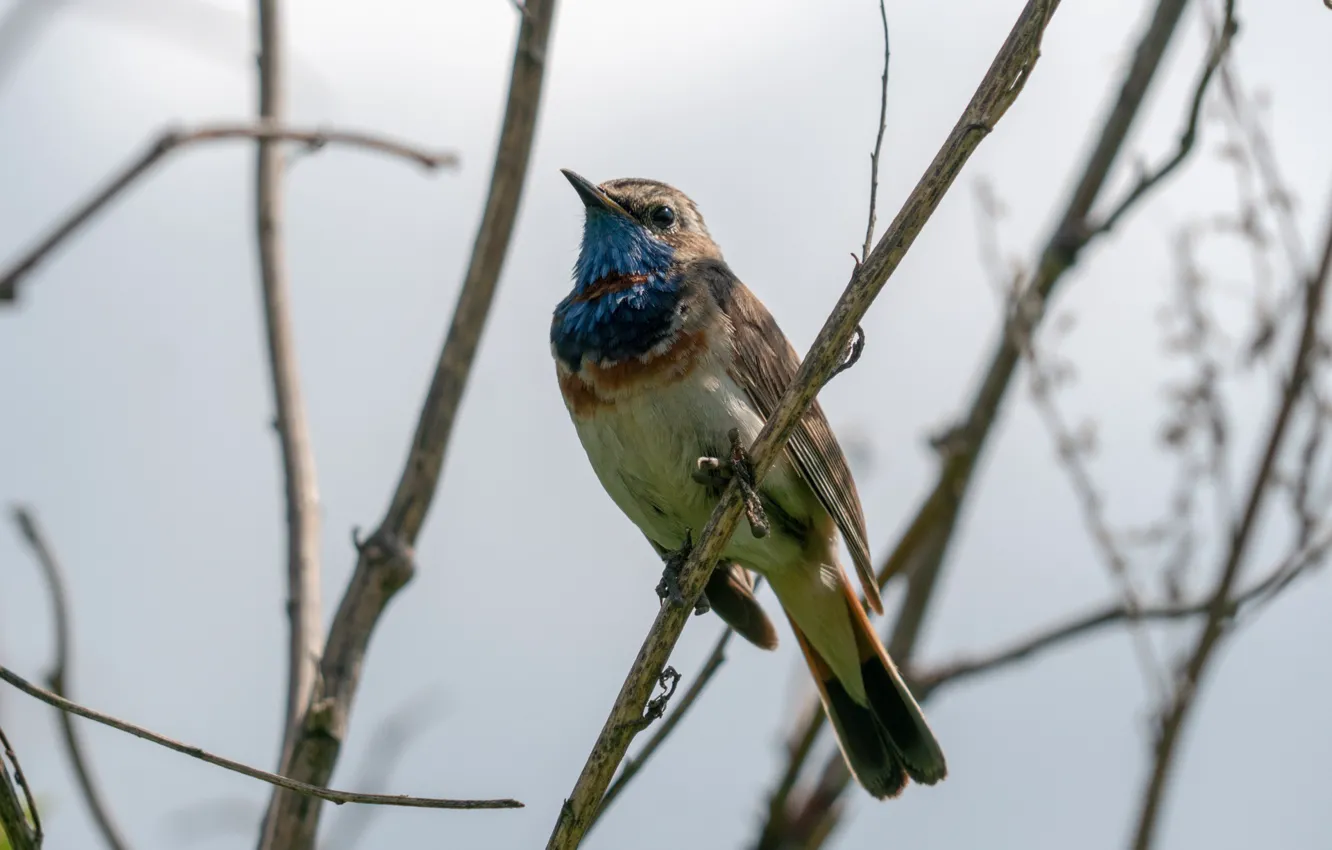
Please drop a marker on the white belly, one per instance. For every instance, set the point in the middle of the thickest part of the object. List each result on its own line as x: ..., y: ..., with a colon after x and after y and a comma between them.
x: 645, y: 448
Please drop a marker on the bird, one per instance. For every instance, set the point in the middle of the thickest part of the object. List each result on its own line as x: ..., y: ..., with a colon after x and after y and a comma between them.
x: 664, y: 356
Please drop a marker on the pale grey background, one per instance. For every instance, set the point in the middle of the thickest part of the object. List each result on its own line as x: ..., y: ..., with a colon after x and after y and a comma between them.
x: 135, y: 409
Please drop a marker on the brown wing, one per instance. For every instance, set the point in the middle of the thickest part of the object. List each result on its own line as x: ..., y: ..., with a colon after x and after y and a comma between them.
x: 765, y: 363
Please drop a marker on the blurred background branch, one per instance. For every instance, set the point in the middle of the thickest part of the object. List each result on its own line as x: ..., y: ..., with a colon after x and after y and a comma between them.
x: 1309, y: 348
x: 57, y: 679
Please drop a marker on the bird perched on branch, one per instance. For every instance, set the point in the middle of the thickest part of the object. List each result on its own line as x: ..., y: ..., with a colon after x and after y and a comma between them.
x: 664, y: 359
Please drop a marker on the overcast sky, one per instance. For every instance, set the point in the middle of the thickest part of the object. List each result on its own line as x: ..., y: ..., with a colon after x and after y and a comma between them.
x: 136, y: 410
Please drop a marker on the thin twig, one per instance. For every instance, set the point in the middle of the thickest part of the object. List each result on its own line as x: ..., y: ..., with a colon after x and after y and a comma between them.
x: 1245, y: 118
x: 15, y: 815
x: 385, y: 561
x: 176, y: 138
x: 922, y: 547
x: 300, y: 482
x: 998, y: 90
x: 303, y: 788
x: 878, y: 140
x: 1189, y: 135
x: 1071, y: 453
x: 58, y: 677
x: 1177, y: 711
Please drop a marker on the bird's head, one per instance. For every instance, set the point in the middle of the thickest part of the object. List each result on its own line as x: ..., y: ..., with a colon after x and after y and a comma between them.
x: 637, y: 227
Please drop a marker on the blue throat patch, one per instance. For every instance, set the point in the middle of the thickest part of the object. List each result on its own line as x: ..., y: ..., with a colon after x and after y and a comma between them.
x: 624, y: 294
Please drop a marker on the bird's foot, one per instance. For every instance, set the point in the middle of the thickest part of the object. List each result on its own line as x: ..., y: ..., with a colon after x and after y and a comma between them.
x: 743, y: 470
x: 668, y: 589
x: 714, y: 473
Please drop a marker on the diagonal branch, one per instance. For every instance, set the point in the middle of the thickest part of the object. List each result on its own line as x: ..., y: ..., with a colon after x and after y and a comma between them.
x: 997, y: 91
x: 176, y: 138
x: 314, y: 791
x: 1177, y: 712
x: 920, y: 551
x: 15, y: 813
x: 927, y: 683
x: 385, y: 560
x: 632, y: 766
x: 301, y: 488
x: 1188, y: 137
x: 58, y: 678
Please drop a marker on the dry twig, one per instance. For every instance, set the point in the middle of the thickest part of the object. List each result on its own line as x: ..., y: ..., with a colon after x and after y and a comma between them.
x: 385, y: 560
x: 176, y: 138
x: 300, y: 484
x: 1000, y: 87
x: 878, y: 139
x: 58, y: 678
x: 303, y: 788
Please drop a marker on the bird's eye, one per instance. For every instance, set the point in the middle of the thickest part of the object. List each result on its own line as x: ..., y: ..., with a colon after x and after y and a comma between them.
x: 663, y: 217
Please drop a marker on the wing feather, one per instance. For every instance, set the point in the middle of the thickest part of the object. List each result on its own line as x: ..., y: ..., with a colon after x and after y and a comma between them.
x: 764, y: 364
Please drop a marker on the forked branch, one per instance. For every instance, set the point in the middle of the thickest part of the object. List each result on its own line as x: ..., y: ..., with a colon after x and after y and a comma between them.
x: 385, y: 560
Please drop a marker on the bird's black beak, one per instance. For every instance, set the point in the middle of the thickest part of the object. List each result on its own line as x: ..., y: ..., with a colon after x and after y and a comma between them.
x: 593, y: 197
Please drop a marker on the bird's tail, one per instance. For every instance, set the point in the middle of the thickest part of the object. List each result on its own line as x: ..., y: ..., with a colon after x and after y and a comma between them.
x: 880, y: 728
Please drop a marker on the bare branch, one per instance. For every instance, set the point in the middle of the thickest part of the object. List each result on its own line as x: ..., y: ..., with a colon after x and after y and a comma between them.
x: 1188, y: 137
x: 332, y: 796
x: 878, y: 140
x: 926, y: 683
x: 920, y: 551
x: 173, y: 139
x: 58, y: 678
x: 1214, y: 629
x: 300, y: 482
x: 1000, y: 87
x: 385, y: 560
x: 14, y: 815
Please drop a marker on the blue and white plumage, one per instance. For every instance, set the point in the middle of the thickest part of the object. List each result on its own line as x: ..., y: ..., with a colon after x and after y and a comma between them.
x: 660, y: 351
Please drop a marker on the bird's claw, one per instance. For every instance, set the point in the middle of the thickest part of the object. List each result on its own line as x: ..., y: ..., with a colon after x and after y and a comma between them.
x: 668, y: 589
x: 743, y: 469
x: 712, y: 472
